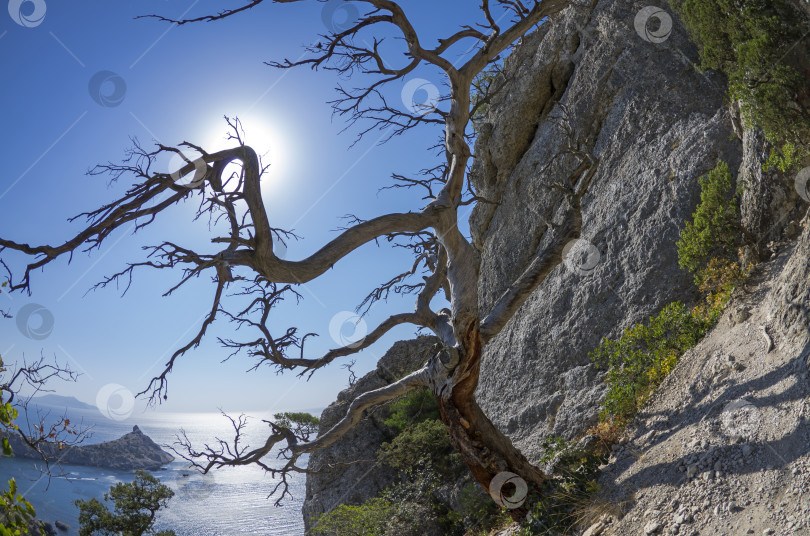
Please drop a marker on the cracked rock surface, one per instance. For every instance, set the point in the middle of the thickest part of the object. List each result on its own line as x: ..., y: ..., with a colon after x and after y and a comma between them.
x: 655, y: 125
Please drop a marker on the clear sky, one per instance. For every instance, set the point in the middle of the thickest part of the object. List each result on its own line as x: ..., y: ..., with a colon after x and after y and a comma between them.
x: 162, y: 82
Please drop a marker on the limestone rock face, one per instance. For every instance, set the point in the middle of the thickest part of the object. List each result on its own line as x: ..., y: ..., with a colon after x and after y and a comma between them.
x: 771, y: 205
x: 789, y: 301
x: 129, y: 452
x: 655, y: 125
x: 587, y: 82
x: 350, y: 474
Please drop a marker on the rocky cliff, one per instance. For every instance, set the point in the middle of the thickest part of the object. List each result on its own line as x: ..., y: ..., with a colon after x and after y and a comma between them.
x: 590, y: 81
x: 655, y: 125
x: 129, y: 452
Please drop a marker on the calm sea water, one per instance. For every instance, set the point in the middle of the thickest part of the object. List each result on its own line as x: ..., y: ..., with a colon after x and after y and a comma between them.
x: 227, y: 502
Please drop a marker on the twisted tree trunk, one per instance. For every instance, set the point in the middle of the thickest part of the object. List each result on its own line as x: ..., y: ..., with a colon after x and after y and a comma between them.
x: 247, y: 259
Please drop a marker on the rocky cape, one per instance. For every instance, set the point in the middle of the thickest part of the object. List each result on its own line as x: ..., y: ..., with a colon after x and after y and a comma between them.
x: 129, y: 452
x: 656, y: 125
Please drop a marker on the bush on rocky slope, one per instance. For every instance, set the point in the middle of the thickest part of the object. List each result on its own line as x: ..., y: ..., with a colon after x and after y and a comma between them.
x: 416, y: 406
x: 715, y: 230
x: 567, y: 497
x: 367, y: 519
x: 430, y: 496
x: 641, y: 358
x: 758, y: 44
x: 418, y: 443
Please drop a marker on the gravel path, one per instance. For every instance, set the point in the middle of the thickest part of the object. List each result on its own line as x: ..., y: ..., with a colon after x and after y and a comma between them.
x: 723, y: 448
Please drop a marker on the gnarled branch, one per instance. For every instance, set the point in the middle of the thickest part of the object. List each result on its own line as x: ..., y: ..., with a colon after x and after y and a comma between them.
x: 291, y: 445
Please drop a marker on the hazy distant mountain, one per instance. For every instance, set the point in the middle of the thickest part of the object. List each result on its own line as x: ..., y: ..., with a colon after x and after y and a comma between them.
x: 61, y: 402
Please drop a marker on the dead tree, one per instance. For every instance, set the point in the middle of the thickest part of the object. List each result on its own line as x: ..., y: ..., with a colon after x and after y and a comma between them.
x: 245, y: 262
x: 34, y: 427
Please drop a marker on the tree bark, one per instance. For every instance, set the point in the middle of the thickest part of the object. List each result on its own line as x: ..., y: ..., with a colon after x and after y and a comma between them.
x: 485, y: 450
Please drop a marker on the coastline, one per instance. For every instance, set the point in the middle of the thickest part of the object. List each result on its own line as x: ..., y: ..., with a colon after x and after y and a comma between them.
x: 197, y: 508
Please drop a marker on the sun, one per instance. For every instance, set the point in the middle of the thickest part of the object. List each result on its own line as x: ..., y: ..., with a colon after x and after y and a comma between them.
x: 261, y: 135
x: 258, y: 133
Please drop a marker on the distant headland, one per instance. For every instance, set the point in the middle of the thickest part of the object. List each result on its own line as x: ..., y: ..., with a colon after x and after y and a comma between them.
x: 129, y: 452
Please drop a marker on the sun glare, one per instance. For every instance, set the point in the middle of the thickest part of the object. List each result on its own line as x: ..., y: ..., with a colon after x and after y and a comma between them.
x: 261, y: 136
x: 257, y: 133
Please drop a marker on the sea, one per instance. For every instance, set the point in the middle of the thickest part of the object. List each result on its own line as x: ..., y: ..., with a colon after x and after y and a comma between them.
x: 225, y: 502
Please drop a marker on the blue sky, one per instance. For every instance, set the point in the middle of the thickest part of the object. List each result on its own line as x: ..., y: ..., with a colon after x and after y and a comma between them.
x: 172, y: 84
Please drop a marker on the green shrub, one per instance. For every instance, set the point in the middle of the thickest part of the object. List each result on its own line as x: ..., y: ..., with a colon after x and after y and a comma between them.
x: 302, y: 424
x: 422, y: 454
x: 426, y: 440
x: 785, y: 158
x: 420, y: 450
x: 367, y: 519
x: 415, y: 406
x: 419, y: 510
x: 478, y: 508
x: 719, y: 279
x: 15, y: 512
x: 135, y: 505
x: 715, y: 230
x: 414, y: 518
x: 7, y: 415
x: 406, y: 508
x: 640, y: 359
x: 754, y: 43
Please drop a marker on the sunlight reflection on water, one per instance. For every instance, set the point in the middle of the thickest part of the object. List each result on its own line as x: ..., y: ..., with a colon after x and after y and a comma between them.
x: 231, y: 502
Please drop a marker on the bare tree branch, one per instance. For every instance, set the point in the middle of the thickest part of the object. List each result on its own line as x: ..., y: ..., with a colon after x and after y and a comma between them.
x: 244, y: 267
x: 292, y: 446
x: 39, y: 430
